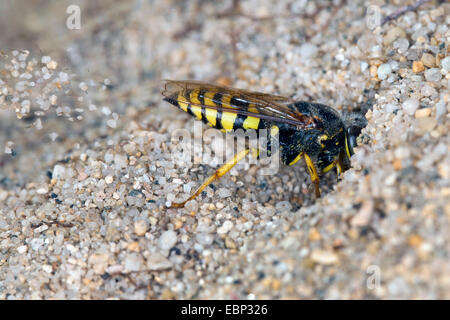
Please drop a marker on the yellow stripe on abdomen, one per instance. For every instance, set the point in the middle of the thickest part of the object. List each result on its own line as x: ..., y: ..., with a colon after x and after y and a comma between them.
x: 252, y: 108
x: 197, y: 111
x: 211, y: 115
x: 182, y: 102
x: 196, y: 108
x: 228, y: 119
x: 209, y: 98
x: 274, y: 130
x: 194, y: 97
x: 251, y: 123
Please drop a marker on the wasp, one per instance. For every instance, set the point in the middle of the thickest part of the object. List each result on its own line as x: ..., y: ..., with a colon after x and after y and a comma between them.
x: 312, y: 131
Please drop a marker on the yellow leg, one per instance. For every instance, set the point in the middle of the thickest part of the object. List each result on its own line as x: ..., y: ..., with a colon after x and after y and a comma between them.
x: 227, y: 166
x: 336, y: 163
x: 330, y: 166
x: 339, y: 164
x: 339, y: 169
x: 313, y: 173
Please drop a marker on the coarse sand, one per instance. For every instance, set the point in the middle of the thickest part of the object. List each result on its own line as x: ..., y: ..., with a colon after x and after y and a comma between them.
x: 88, y: 163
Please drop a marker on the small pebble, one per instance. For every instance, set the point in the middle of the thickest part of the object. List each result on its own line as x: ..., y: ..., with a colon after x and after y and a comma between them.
x: 59, y: 172
x: 283, y: 206
x: 140, y: 227
x: 132, y: 262
x: 83, y: 86
x: 324, y: 257
x: 52, y: 65
x: 224, y: 193
x: 46, y: 59
x: 9, y: 147
x: 63, y: 77
x: 22, y: 249
x: 168, y: 239
x: 42, y: 190
x: 109, y: 179
x: 417, y: 66
x: 422, y: 113
x: 156, y: 261
x: 225, y: 228
x: 47, y: 268
x: 440, y: 109
x: 364, y: 215
x: 102, y: 229
x: 204, y: 238
x: 445, y: 63
x: 229, y: 243
x: 433, y: 74
x: 428, y: 60
x: 112, y: 123
x: 384, y: 70
x: 393, y: 34
x: 308, y: 50
x: 410, y: 106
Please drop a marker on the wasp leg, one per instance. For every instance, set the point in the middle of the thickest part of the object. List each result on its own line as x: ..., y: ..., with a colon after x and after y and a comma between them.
x: 339, y: 169
x: 335, y: 164
x: 330, y: 166
x: 227, y: 166
x: 313, y: 173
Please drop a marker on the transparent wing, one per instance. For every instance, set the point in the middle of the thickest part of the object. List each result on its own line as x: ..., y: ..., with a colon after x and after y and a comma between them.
x: 260, y: 105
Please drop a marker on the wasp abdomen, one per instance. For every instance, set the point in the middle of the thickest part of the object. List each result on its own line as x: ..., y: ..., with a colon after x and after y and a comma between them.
x: 196, y: 102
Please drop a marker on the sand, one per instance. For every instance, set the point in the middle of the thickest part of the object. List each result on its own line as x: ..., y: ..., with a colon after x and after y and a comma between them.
x: 88, y: 170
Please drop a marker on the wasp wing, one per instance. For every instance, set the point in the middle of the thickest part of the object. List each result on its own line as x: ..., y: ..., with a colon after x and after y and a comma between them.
x: 269, y: 107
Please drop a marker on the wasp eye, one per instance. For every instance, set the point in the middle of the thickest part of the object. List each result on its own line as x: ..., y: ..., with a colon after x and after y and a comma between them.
x: 352, y: 133
x: 352, y: 142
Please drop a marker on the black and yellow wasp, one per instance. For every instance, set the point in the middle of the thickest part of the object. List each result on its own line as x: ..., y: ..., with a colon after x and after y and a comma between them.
x: 312, y: 131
